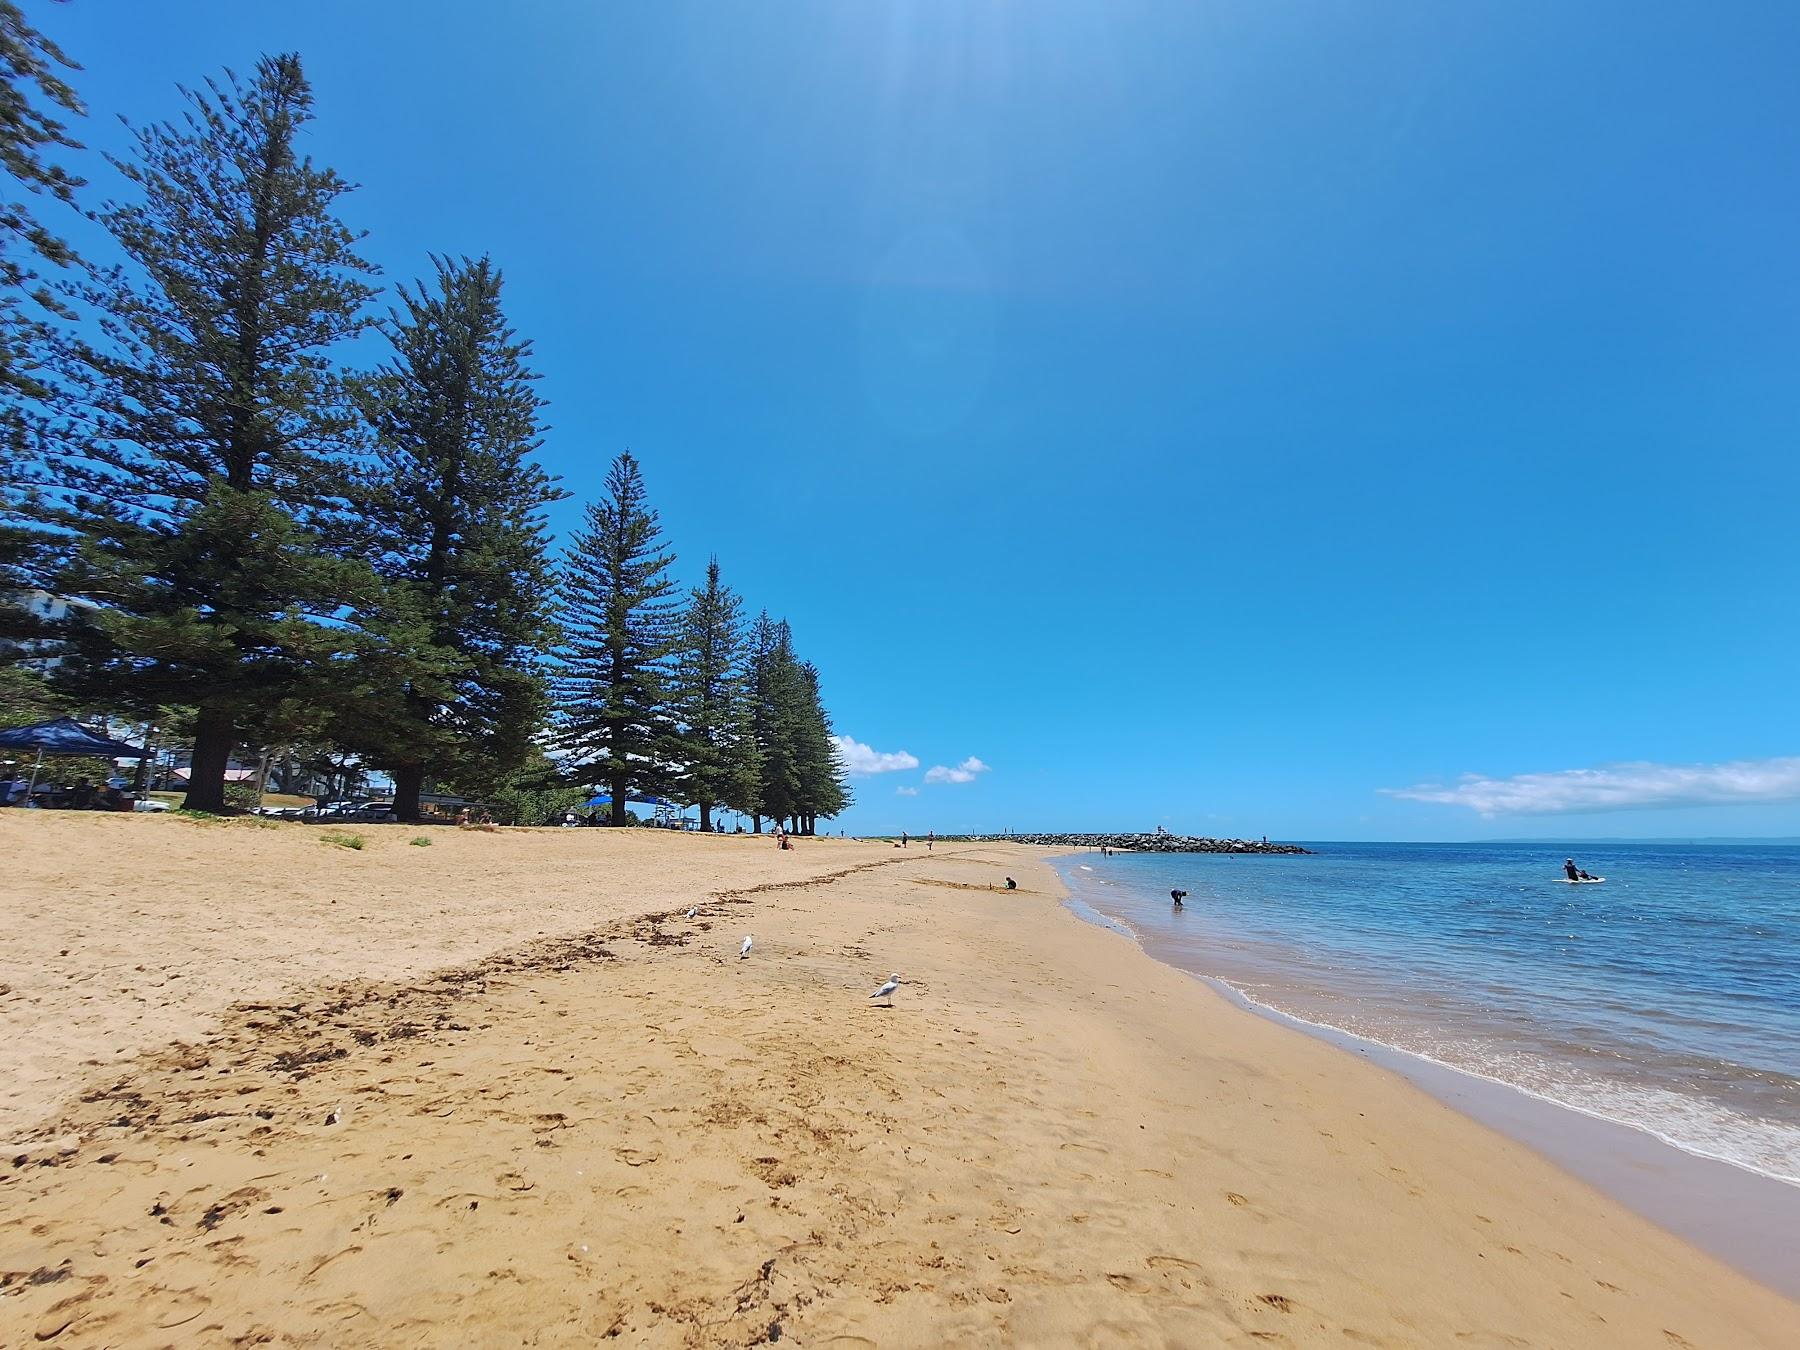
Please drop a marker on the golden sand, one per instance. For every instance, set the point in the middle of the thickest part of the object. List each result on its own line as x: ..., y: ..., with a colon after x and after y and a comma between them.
x: 500, y: 1090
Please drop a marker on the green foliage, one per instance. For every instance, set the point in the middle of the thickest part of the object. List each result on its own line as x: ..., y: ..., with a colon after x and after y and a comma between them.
x: 533, y: 794
x: 352, y: 841
x: 718, y: 762
x: 27, y: 697
x: 537, y: 806
x: 800, y: 778
x: 619, y: 627
x: 56, y: 770
x: 266, y: 552
x: 34, y: 99
x: 453, y: 515
x: 420, y: 842
x: 824, y: 786
x: 774, y: 721
x: 30, y: 70
x: 204, y: 448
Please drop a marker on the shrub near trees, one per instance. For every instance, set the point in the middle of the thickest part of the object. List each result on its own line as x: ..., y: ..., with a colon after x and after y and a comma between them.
x: 270, y: 549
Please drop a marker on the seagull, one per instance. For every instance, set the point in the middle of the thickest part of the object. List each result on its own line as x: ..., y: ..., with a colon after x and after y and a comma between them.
x: 887, y: 990
x: 695, y: 910
x: 744, y: 950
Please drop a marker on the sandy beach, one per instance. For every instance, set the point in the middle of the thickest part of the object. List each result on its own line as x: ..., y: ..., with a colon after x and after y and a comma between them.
x: 501, y: 1090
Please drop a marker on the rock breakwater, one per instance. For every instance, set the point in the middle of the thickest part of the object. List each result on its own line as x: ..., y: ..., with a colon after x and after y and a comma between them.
x: 1146, y: 843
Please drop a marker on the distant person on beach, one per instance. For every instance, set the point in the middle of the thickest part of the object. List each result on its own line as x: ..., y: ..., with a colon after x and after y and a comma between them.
x: 903, y: 839
x: 1011, y: 885
x: 930, y: 839
x: 1177, y: 897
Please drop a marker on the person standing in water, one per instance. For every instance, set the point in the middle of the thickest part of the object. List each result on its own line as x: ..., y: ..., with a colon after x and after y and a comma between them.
x: 1177, y: 897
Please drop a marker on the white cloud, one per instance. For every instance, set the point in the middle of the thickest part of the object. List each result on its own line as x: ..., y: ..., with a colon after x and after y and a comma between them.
x: 962, y: 773
x: 906, y: 792
x: 861, y: 761
x: 1617, y: 787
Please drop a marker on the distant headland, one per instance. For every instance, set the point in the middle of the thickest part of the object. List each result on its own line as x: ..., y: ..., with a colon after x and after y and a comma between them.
x: 1146, y: 843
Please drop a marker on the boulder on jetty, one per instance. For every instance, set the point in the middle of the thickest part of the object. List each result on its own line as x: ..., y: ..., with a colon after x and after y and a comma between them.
x: 1146, y: 843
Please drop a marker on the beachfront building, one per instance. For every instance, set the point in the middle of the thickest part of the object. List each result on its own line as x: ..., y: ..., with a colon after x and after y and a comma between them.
x: 38, y: 608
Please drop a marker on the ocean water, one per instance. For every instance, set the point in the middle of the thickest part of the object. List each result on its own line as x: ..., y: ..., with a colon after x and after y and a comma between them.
x: 1667, y: 999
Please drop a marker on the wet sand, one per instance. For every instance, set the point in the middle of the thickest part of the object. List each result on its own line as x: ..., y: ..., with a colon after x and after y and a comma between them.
x: 504, y: 1091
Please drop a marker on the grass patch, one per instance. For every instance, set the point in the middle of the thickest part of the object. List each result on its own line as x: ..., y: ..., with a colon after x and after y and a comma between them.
x: 355, y: 841
x: 421, y: 842
x: 229, y: 817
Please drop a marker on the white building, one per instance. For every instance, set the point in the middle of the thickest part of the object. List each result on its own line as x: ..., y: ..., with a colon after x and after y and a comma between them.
x: 49, y: 608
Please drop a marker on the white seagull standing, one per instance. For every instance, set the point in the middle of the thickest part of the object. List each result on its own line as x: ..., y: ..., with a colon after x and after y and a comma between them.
x: 695, y: 910
x: 744, y: 950
x: 887, y: 990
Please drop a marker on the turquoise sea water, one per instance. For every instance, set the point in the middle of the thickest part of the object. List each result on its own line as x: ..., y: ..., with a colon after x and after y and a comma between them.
x: 1667, y: 999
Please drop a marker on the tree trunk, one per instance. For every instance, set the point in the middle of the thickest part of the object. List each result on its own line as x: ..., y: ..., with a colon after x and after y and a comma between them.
x: 705, y: 818
x: 758, y: 820
x: 262, y: 774
x: 618, y: 801
x: 140, y: 781
x: 213, y: 737
x: 408, y: 780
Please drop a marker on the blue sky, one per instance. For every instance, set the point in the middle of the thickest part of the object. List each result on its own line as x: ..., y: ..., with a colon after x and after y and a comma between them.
x: 1207, y: 414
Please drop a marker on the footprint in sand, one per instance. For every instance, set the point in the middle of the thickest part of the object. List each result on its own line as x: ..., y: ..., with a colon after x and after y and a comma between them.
x: 1177, y: 1262
x: 184, y: 1306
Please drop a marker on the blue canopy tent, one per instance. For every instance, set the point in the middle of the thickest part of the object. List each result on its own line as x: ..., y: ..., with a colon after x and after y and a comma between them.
x: 63, y: 736
x: 665, y: 809
x: 605, y: 799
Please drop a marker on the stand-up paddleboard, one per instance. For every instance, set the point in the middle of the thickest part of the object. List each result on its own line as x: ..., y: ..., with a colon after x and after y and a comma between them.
x: 1585, y: 881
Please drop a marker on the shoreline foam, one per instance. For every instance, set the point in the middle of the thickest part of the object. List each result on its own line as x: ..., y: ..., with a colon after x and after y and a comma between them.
x: 1667, y: 1180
